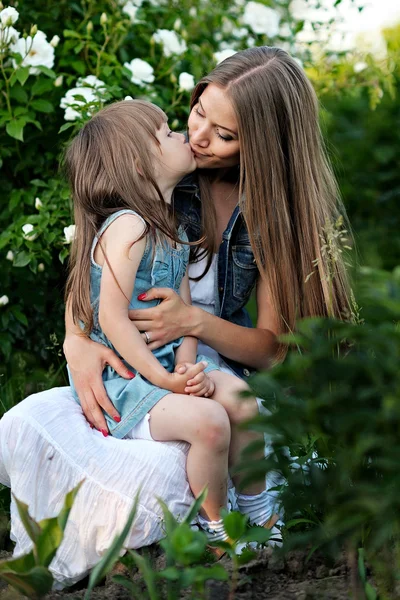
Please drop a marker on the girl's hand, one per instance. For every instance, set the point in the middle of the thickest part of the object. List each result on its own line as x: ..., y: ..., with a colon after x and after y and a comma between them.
x: 168, y: 321
x: 200, y: 385
x: 86, y: 360
x: 177, y: 382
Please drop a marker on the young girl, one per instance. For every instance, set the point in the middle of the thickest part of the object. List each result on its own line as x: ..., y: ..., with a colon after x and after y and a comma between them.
x: 122, y: 168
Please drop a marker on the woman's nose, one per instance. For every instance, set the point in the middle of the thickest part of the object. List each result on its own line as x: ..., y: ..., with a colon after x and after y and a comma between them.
x: 199, y: 136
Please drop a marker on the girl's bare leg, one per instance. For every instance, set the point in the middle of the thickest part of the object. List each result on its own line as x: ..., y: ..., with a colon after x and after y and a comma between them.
x: 205, y: 425
x: 227, y: 389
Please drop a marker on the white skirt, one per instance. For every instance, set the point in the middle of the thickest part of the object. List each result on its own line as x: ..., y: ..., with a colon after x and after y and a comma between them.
x: 47, y: 447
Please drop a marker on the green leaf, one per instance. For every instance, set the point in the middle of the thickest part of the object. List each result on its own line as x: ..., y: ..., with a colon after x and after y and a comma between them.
x: 43, y: 106
x: 19, y: 94
x: 49, y: 72
x: 15, y: 129
x: 41, y: 86
x: 256, y: 534
x: 147, y: 573
x: 235, y: 524
x: 170, y: 573
x: 112, y: 554
x: 70, y: 33
x: 18, y: 314
x: 65, y: 127
x: 35, y: 583
x: 22, y: 259
x: 22, y: 74
x: 370, y: 592
x: 194, y: 509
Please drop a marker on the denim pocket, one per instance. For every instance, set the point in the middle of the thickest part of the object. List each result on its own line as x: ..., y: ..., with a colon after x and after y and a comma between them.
x: 245, y: 271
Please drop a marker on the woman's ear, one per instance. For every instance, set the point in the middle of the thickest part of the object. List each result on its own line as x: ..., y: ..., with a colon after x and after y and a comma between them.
x: 138, y: 166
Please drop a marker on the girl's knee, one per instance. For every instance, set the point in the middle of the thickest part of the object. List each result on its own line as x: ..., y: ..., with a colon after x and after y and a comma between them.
x: 213, y: 427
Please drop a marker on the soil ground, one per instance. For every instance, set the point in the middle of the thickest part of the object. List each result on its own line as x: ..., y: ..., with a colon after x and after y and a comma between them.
x: 267, y: 577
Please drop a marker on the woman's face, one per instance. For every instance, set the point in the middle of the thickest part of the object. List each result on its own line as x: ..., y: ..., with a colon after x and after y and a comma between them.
x: 212, y: 128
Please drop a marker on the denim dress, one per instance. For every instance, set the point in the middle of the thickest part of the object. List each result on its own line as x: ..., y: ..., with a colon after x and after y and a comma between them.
x: 160, y: 266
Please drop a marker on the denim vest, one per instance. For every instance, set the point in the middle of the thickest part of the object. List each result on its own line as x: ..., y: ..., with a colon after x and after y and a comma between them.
x: 237, y: 269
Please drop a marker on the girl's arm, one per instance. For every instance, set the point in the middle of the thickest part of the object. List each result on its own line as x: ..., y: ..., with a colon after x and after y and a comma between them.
x: 187, y: 351
x: 255, y: 347
x: 124, y: 251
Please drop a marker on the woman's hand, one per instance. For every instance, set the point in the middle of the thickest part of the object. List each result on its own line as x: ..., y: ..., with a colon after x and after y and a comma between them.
x: 168, y: 321
x: 199, y: 385
x: 86, y: 361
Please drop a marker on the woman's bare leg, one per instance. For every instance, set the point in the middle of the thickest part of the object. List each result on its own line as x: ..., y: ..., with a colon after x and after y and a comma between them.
x: 205, y: 425
x: 239, y: 410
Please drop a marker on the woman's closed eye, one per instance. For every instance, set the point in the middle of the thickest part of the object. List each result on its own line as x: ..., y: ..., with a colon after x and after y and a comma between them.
x: 226, y: 138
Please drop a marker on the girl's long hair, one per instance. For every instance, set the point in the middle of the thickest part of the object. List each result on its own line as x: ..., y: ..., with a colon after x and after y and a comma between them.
x: 288, y: 194
x: 110, y: 166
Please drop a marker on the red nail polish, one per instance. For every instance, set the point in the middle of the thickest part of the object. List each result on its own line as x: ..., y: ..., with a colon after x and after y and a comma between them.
x: 131, y: 375
x: 142, y: 296
x: 117, y: 419
x: 104, y: 432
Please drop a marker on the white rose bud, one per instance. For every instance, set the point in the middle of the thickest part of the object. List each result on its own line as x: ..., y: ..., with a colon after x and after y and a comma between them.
x: 103, y: 18
x: 8, y: 16
x: 40, y: 267
x: 178, y: 24
x: 34, y: 30
x: 27, y: 232
x: 1, y: 6
x: 59, y: 81
x: 193, y: 12
x: 174, y: 124
x: 128, y: 98
x: 186, y: 82
x: 10, y: 255
x: 4, y: 300
x: 38, y: 203
x: 69, y: 233
x: 55, y: 40
x: 89, y: 27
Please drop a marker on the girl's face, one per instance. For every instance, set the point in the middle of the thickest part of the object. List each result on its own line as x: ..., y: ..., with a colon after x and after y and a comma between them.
x: 177, y: 158
x: 212, y: 128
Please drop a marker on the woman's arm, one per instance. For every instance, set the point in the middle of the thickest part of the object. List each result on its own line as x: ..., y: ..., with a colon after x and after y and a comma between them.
x: 255, y: 347
x: 86, y: 361
x: 187, y: 351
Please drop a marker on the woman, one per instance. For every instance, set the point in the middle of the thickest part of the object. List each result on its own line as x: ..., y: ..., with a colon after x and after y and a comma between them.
x: 267, y: 199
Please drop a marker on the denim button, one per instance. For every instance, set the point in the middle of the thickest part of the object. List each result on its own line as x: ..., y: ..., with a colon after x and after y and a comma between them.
x: 246, y: 372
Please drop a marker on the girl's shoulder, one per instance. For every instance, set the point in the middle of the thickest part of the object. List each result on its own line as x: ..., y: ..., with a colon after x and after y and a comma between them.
x: 124, y: 225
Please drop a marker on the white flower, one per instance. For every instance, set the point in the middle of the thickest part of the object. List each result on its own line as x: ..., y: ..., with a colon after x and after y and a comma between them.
x: 186, y: 82
x: 8, y: 35
x: 172, y: 44
x: 141, y: 71
x: 8, y: 16
x: 91, y: 81
x: 10, y: 255
x: 130, y: 9
x: 55, y: 40
x: 239, y: 32
x: 40, y: 267
x: 59, y: 81
x: 4, y: 300
x: 220, y: 56
x: 69, y: 233
x: 128, y: 98
x: 89, y: 88
x: 35, y: 52
x: 193, y: 12
x: 38, y: 203
x: 261, y: 19
x: 27, y: 232
x: 285, y: 30
x: 360, y: 66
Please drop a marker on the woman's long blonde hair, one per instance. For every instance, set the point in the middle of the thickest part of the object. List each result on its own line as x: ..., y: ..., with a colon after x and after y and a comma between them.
x: 110, y: 166
x: 289, y: 196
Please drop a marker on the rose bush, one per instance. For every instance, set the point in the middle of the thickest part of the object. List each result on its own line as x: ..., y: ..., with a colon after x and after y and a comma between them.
x: 155, y: 49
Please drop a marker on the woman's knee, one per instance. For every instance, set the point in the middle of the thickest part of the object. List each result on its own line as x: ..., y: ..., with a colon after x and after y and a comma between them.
x: 213, y: 426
